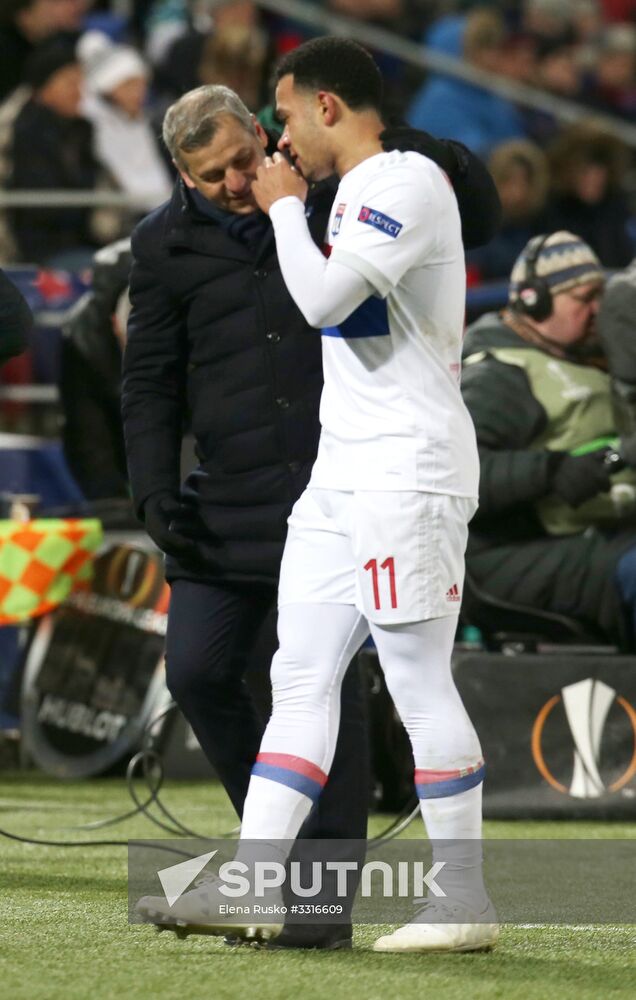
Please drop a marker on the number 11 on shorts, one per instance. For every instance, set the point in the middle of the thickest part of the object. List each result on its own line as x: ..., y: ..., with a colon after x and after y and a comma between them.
x: 389, y: 565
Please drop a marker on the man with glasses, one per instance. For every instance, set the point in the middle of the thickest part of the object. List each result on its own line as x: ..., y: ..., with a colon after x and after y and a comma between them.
x: 556, y: 520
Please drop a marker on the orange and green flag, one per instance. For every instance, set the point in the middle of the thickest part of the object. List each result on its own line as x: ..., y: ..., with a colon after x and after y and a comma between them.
x: 41, y: 562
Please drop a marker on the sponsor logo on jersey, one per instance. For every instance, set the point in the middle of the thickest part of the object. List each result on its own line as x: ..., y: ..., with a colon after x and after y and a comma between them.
x: 380, y: 221
x: 337, y: 219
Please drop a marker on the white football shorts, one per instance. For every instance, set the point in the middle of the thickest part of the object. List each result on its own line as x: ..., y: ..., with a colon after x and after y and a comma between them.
x: 397, y: 556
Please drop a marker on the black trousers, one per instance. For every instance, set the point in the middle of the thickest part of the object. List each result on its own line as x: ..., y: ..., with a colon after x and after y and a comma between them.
x: 215, y: 633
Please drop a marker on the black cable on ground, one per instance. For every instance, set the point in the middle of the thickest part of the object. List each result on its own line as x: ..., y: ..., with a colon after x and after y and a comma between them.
x: 140, y: 807
x: 148, y: 758
x: 151, y: 761
x: 153, y: 775
x: 399, y: 824
x: 93, y: 843
x: 64, y: 843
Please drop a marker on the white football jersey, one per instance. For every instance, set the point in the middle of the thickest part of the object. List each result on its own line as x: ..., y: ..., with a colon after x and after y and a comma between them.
x: 391, y: 411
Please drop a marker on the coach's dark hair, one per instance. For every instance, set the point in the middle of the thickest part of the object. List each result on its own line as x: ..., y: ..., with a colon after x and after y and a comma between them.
x: 338, y: 65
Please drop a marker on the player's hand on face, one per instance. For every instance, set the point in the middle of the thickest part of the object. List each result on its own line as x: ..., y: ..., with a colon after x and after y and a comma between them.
x: 276, y: 179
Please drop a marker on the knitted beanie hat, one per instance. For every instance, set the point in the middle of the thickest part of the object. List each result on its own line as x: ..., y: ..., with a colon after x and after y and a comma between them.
x: 563, y: 262
x: 47, y: 59
x: 107, y: 64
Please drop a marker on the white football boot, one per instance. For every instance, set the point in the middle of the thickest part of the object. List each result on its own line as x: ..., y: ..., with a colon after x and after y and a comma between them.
x: 458, y: 928
x: 205, y: 910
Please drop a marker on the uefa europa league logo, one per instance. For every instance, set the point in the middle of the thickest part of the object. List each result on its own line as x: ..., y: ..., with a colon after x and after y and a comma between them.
x: 586, y: 705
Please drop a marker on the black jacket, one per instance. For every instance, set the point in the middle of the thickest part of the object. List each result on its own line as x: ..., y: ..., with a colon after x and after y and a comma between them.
x: 214, y: 338
x: 15, y: 320
x: 90, y: 381
x: 50, y: 152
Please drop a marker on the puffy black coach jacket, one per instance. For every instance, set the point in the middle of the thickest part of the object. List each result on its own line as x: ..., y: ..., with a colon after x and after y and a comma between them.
x: 215, y: 340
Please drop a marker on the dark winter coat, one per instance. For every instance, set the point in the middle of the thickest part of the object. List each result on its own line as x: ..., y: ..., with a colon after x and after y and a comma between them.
x: 603, y: 225
x: 215, y: 340
x: 50, y: 152
x: 90, y: 381
x: 15, y: 320
x: 15, y: 49
x: 509, y: 553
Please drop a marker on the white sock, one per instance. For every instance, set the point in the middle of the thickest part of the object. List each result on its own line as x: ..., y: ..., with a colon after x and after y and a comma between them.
x: 260, y: 821
x: 454, y: 825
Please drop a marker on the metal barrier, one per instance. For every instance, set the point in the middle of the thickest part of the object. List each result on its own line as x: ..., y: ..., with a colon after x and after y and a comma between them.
x: 75, y: 199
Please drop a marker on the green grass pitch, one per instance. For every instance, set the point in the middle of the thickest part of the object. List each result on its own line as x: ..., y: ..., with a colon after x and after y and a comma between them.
x: 64, y: 933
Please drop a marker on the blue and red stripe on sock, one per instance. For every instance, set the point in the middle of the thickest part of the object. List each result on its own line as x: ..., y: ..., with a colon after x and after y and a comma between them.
x: 440, y: 784
x: 295, y: 772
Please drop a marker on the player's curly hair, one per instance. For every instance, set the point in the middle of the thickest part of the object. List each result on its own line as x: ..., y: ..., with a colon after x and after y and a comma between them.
x: 338, y: 65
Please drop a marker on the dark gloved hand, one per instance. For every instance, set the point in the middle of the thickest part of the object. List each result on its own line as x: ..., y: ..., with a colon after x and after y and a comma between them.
x: 405, y: 138
x: 578, y: 478
x: 159, y: 512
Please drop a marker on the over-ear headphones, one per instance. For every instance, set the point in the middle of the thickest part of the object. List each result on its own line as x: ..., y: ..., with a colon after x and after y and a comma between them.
x: 534, y: 298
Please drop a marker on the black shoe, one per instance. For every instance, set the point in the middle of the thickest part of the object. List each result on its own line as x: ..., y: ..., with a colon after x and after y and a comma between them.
x: 323, y: 937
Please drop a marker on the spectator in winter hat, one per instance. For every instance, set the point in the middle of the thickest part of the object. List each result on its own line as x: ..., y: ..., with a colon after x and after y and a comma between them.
x: 52, y: 149
x: 556, y: 526
x: 115, y: 94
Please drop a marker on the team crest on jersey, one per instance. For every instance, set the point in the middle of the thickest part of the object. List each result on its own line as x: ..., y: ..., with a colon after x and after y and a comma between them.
x: 380, y: 221
x: 337, y: 220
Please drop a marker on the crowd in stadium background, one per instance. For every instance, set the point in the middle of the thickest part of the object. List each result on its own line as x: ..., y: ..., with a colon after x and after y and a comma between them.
x: 550, y: 174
